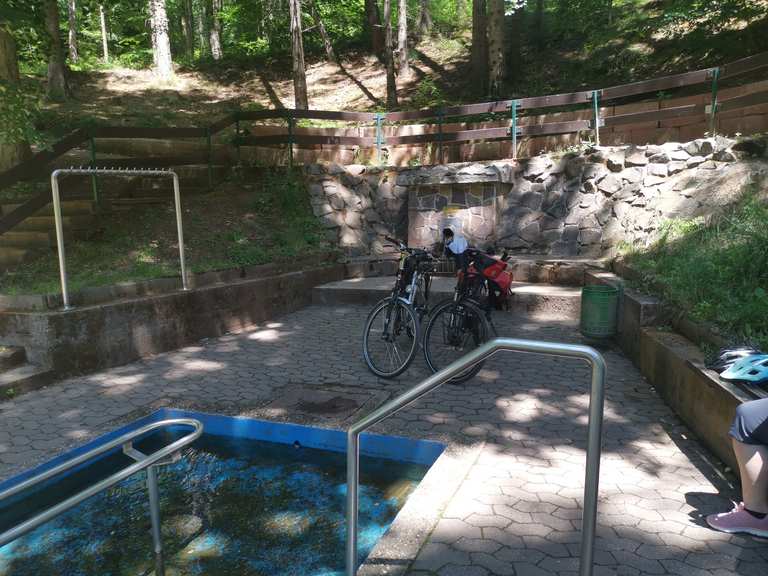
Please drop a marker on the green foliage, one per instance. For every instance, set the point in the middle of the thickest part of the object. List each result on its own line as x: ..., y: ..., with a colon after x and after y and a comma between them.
x: 716, y: 270
x: 18, y: 112
x: 428, y: 94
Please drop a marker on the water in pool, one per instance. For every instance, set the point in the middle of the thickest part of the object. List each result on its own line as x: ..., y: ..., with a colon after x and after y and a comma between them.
x: 229, y: 507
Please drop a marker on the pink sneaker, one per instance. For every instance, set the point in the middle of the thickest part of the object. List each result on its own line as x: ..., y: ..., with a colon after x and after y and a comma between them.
x: 739, y: 520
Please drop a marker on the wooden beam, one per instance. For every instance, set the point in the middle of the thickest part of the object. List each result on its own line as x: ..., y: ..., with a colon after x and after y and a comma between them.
x: 657, y: 84
x: 752, y: 99
x: 745, y: 65
x: 654, y: 115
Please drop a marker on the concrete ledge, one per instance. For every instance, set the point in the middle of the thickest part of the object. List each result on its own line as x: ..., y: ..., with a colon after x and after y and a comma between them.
x: 707, y: 405
x: 157, y: 286
x: 100, y: 336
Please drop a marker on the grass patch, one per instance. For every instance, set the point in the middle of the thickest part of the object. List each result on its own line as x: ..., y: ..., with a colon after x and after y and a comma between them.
x: 716, y: 270
x: 236, y: 225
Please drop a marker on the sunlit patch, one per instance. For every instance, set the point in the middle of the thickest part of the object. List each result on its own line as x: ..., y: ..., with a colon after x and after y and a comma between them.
x: 287, y: 524
x: 275, y: 325
x: 268, y: 335
x: 209, y: 545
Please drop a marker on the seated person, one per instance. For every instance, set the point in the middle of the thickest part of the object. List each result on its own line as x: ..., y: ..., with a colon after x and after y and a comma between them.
x: 749, y: 434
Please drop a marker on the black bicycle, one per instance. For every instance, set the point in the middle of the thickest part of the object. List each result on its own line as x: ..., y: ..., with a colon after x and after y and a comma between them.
x: 391, y: 335
x: 460, y: 324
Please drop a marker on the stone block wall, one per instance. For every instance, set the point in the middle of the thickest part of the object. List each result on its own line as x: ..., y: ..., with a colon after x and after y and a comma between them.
x: 578, y: 204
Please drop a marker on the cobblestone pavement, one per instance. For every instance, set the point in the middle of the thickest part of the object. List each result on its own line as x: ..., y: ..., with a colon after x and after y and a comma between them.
x: 516, y: 511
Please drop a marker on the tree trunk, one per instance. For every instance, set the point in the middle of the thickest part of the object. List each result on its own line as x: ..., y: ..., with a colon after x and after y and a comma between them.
x: 14, y: 152
x: 404, y: 67
x: 517, y: 30
x: 496, y: 47
x: 72, y: 37
x: 214, y: 8
x: 297, y: 49
x: 374, y: 26
x: 479, y: 56
x: 58, y: 89
x: 425, y: 19
x: 161, y: 43
x: 538, y: 24
x: 104, y: 37
x: 327, y: 44
x: 203, y: 29
x: 188, y: 28
x: 389, y: 56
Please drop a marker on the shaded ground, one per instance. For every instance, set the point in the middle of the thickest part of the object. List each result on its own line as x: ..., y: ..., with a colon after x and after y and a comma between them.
x: 516, y: 512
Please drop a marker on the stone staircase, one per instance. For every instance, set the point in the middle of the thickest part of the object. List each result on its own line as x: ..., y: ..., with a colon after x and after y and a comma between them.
x: 17, y: 375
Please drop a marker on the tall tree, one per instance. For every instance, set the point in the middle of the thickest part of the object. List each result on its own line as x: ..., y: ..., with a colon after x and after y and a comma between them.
x: 496, y: 47
x: 373, y: 22
x: 104, y: 36
x: 188, y: 28
x: 58, y: 89
x: 72, y: 36
x: 203, y: 25
x: 425, y: 19
x: 517, y: 30
x: 327, y: 44
x: 402, y: 38
x: 297, y: 49
x: 479, y: 55
x: 389, y: 56
x: 538, y: 24
x: 214, y: 10
x: 161, y: 43
x: 11, y: 153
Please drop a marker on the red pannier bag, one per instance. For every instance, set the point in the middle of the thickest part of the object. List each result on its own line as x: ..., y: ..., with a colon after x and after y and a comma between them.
x: 497, y: 272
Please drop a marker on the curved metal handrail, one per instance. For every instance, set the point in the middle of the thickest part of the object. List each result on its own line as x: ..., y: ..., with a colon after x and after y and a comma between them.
x: 143, y: 462
x: 596, y: 402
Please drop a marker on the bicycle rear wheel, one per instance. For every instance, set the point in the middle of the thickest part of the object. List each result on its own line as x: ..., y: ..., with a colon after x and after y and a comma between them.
x: 454, y: 329
x: 390, y: 338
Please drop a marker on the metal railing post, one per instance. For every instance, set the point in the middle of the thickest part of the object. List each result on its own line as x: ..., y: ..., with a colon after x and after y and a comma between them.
x: 180, y: 230
x: 94, y: 180
x: 291, y: 126
x: 154, y: 514
x: 209, y: 144
x: 596, y: 115
x: 440, y: 120
x: 594, y: 434
x: 513, y: 128
x: 379, y: 136
x: 60, y: 238
x: 713, y: 110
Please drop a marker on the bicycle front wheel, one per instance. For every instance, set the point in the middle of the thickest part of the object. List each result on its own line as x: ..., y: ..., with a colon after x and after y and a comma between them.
x: 390, y: 338
x: 453, y: 330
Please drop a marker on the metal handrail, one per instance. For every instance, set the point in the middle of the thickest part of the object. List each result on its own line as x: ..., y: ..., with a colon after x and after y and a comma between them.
x: 111, y: 172
x: 143, y: 461
x: 596, y: 403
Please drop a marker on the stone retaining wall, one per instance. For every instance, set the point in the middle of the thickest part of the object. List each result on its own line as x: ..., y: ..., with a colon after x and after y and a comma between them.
x: 578, y: 204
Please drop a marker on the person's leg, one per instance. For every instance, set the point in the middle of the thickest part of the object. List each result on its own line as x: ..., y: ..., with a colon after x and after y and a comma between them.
x: 750, y: 445
x: 753, y: 468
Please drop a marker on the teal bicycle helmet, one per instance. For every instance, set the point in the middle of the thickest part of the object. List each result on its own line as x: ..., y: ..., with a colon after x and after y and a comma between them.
x: 752, y: 369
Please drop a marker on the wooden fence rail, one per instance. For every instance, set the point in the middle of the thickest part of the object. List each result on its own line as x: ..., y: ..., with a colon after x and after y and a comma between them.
x: 38, y: 164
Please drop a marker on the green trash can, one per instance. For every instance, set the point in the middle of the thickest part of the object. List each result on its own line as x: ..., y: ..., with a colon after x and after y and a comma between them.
x: 599, y: 307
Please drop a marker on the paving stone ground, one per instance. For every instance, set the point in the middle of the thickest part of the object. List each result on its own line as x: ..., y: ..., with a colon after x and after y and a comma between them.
x: 517, y: 511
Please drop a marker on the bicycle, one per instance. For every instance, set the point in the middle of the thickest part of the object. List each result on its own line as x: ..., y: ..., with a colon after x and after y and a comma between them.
x: 391, y: 334
x: 459, y: 324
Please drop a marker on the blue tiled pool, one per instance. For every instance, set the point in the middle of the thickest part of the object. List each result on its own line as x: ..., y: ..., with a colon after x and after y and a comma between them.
x: 248, y: 498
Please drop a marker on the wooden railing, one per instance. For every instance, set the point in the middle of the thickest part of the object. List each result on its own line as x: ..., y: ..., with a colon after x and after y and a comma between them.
x: 588, y: 99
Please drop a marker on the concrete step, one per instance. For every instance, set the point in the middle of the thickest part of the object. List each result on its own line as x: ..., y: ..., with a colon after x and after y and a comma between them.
x: 68, y: 208
x: 11, y: 256
x: 28, y: 239
x: 48, y: 223
x: 560, y: 301
x: 11, y: 357
x: 24, y: 378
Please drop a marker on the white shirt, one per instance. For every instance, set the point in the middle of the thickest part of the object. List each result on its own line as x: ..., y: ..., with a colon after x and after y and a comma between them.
x: 458, y: 245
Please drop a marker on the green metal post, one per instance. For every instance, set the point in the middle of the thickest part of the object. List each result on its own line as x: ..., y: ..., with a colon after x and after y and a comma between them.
x: 513, y: 128
x: 291, y: 123
x: 94, y: 180
x: 210, y: 157
x: 379, y: 136
x: 596, y: 110
x: 440, y: 120
x: 713, y: 111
